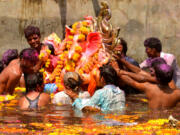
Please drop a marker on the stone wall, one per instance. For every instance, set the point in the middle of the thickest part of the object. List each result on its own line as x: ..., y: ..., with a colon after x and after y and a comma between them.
x: 138, y: 19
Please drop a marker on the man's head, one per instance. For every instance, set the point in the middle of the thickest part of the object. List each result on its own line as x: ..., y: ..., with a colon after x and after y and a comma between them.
x: 34, y: 82
x: 72, y: 80
x: 109, y: 74
x: 33, y: 36
x: 28, y: 58
x: 164, y: 73
x: 153, y: 47
x: 154, y: 62
x: 121, y: 46
x: 9, y: 55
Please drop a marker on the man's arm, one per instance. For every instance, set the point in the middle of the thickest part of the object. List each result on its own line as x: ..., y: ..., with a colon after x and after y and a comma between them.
x: 129, y: 81
x: 129, y: 66
x: 139, y: 77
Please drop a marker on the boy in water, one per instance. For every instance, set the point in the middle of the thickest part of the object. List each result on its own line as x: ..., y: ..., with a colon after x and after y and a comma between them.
x: 34, y: 97
x: 10, y: 76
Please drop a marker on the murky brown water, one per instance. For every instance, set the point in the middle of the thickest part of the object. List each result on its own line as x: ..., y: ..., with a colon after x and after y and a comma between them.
x: 15, y: 121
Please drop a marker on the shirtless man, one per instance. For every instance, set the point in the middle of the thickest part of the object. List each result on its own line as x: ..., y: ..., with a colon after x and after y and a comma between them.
x: 160, y: 96
x: 140, y: 75
x: 10, y: 76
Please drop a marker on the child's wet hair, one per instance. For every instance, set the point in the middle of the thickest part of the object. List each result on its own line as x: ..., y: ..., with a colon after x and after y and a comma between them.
x: 29, y: 54
x: 156, y: 61
x: 164, y: 73
x: 30, y: 30
x: 109, y: 74
x: 9, y: 55
x: 33, y: 80
x: 72, y: 80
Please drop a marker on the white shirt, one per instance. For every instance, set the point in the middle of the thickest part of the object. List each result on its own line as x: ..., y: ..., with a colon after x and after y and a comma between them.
x: 170, y: 60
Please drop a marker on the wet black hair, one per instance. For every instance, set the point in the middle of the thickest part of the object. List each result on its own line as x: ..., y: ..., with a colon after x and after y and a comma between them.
x: 29, y: 54
x: 9, y: 55
x: 1, y: 66
x: 124, y: 44
x: 109, y: 74
x: 153, y: 42
x: 164, y: 73
x: 156, y: 61
x: 30, y: 30
x: 71, y: 82
x: 32, y: 81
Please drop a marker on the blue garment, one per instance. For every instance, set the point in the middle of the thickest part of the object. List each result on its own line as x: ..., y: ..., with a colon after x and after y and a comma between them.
x: 109, y: 98
x: 33, y: 104
x: 131, y: 60
x: 50, y: 88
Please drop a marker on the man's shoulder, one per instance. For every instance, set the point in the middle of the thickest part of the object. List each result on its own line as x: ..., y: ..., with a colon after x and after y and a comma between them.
x: 132, y: 61
x: 167, y: 55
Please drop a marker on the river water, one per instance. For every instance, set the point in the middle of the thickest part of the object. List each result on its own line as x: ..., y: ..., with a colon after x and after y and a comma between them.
x: 62, y: 119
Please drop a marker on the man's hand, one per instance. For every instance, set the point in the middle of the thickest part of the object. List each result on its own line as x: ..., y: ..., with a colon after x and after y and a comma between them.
x: 91, y: 109
x: 115, y: 65
x: 123, y: 72
x: 71, y: 93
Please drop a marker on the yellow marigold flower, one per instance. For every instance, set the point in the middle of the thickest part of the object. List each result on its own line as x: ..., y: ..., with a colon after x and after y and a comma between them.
x: 69, y: 42
x: 86, y: 69
x: 48, y: 51
x: 60, y: 62
x: 78, y: 49
x: 71, y: 37
x: 68, y: 46
x: 81, y: 37
x: 41, y: 55
x: 41, y: 70
x: 76, y: 57
x: 68, y: 67
x: 66, y: 52
x: 81, y: 71
x: 84, y: 30
x: 72, y: 32
x: 84, y: 23
x: 74, y: 26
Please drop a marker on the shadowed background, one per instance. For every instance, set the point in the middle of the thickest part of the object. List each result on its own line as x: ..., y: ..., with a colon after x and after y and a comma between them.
x: 138, y: 19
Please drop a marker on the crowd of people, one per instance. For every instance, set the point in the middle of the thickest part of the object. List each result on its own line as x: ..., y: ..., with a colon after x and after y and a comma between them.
x: 158, y: 77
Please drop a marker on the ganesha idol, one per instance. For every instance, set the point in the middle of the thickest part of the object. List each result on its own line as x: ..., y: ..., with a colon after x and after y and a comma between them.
x: 81, y: 51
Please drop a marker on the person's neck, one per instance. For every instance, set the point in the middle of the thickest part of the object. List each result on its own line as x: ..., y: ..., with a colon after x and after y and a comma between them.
x: 123, y: 55
x: 165, y: 88
x: 158, y: 54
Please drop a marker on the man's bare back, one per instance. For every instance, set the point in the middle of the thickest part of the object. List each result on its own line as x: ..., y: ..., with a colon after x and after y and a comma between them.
x: 162, y: 96
x: 10, y: 77
x: 159, y: 97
